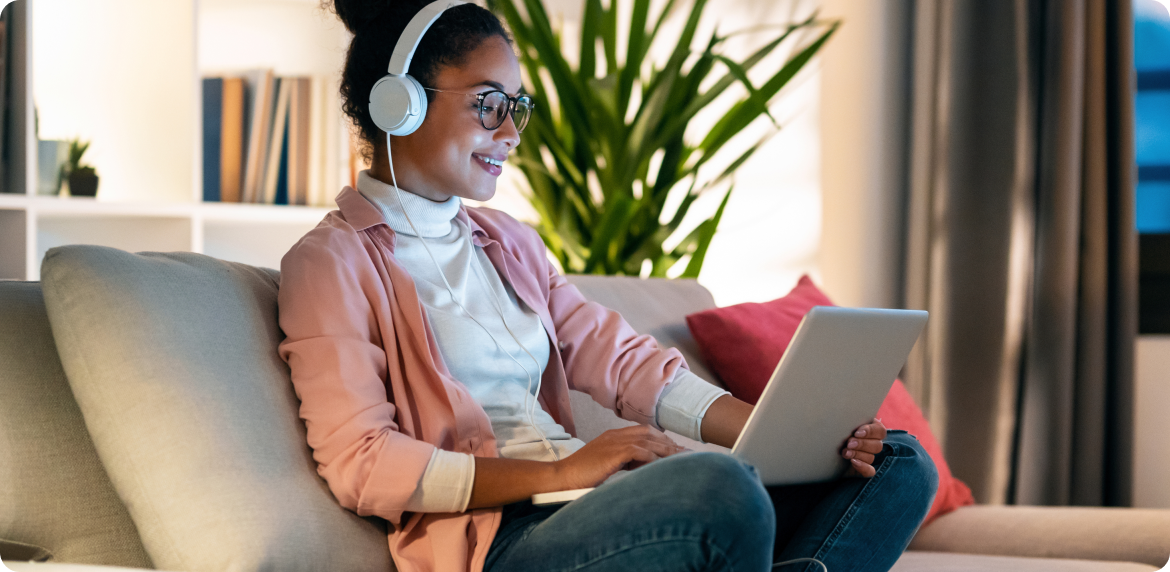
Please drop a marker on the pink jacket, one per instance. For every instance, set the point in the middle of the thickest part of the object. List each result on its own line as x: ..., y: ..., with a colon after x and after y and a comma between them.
x: 377, y: 399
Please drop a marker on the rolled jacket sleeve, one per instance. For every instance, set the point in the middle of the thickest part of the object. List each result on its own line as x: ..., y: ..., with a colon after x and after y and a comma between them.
x: 338, y: 362
x: 446, y: 485
x: 684, y: 403
x: 605, y: 358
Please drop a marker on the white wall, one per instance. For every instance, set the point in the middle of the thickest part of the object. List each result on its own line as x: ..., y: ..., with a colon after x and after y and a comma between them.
x: 119, y: 73
x: 1151, y: 487
x: 863, y: 141
x: 294, y: 37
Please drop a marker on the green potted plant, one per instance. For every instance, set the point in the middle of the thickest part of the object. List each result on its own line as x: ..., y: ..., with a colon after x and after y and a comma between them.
x: 83, y: 179
x: 603, y: 152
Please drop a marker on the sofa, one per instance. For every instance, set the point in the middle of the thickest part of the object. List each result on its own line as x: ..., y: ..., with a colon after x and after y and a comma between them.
x: 146, y: 422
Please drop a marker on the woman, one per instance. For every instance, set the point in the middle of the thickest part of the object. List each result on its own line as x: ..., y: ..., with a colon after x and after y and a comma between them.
x: 433, y: 346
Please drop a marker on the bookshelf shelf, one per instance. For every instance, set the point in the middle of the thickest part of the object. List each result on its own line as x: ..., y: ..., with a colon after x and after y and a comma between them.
x: 63, y: 207
x: 253, y: 234
x: 148, y: 134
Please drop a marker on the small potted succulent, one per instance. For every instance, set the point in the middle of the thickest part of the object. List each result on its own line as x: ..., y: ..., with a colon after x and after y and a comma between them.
x: 83, y: 179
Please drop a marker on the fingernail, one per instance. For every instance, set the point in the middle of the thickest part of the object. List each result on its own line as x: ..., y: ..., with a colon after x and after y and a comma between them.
x: 853, y: 443
x: 848, y: 454
x: 860, y: 433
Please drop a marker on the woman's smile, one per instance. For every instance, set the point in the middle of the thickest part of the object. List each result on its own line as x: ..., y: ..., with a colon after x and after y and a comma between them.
x: 492, y: 164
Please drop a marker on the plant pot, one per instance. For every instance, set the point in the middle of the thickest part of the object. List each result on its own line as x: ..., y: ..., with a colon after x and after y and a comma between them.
x: 82, y: 184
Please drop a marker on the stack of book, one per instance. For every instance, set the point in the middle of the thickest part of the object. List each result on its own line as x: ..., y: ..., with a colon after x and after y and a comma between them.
x: 273, y: 140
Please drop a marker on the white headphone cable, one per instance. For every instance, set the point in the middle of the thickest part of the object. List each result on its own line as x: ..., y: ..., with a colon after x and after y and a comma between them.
x: 530, y: 410
x: 454, y: 298
x: 800, y: 560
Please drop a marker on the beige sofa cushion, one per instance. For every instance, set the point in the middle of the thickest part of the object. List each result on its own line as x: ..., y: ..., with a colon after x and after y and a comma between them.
x: 1121, y: 534
x: 944, y: 562
x: 654, y: 306
x: 56, y: 501
x: 172, y: 359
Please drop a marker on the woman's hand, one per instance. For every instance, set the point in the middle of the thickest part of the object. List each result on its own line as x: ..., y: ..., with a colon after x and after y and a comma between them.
x: 610, y: 452
x: 861, y: 447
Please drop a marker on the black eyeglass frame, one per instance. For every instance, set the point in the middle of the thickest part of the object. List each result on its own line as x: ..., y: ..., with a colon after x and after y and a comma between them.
x: 512, y: 101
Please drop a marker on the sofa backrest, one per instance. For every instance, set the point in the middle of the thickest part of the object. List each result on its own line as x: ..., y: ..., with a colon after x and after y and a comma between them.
x: 54, y: 492
x: 654, y: 306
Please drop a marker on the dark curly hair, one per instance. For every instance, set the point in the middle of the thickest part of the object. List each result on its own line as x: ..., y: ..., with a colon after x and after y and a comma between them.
x: 376, y: 26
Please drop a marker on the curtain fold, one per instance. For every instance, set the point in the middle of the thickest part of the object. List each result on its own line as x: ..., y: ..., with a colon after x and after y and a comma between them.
x: 1021, y: 242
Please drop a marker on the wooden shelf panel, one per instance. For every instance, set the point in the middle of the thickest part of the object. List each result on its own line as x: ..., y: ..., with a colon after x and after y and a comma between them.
x: 62, y: 207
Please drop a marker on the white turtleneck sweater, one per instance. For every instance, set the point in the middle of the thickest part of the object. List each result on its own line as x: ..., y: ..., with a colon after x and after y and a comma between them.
x: 499, y: 374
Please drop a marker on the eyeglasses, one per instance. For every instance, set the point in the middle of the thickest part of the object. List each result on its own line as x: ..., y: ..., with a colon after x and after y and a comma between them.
x: 495, y: 105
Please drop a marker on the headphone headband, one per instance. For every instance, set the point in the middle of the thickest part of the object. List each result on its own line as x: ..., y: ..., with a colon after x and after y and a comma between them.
x: 398, y: 103
x: 412, y: 35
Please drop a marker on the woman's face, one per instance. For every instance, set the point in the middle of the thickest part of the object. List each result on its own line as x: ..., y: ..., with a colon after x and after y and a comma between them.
x: 442, y: 158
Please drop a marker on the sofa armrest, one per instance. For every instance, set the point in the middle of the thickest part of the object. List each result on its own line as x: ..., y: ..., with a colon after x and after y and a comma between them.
x: 1111, y: 534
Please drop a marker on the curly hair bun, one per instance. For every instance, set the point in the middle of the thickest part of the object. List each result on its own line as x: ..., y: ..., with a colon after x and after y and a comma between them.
x: 360, y: 16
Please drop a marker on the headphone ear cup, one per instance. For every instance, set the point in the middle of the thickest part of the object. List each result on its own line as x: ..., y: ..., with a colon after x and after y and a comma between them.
x: 398, y: 104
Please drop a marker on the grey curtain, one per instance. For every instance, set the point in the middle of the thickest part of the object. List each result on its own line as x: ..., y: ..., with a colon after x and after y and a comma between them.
x: 1021, y: 242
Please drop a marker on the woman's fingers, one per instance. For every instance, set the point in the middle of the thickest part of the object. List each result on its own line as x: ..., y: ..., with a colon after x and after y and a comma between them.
x: 873, y: 430
x: 861, y: 447
x: 873, y: 446
x: 653, y: 439
x: 864, y: 469
x: 866, y: 458
x: 659, y: 448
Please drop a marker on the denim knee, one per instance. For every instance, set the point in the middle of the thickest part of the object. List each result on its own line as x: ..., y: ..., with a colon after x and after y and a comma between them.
x: 727, y: 495
x: 916, y: 471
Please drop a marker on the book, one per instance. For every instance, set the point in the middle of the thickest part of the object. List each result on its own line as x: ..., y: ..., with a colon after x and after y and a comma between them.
x: 279, y: 123
x: 281, y: 196
x: 261, y: 88
x: 232, y: 140
x: 317, y: 141
x: 212, y: 129
x: 300, y: 166
x: 300, y: 117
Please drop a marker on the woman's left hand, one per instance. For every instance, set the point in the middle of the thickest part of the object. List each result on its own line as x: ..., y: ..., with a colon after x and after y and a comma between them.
x: 861, y: 446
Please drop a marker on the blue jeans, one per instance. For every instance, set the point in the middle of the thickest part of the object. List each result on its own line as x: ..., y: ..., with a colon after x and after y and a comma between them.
x: 709, y: 512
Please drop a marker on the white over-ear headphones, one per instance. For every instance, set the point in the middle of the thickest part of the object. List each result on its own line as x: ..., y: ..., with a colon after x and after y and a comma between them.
x: 398, y: 103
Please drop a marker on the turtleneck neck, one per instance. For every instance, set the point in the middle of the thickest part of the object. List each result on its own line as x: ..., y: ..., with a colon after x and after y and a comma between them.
x: 432, y: 219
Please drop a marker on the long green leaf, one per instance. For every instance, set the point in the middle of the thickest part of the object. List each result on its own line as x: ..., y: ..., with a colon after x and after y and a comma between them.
x: 635, y: 52
x: 590, y: 28
x: 747, y: 110
x: 696, y: 262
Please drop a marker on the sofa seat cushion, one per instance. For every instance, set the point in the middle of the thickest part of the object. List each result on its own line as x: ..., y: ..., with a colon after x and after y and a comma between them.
x: 1121, y: 534
x: 173, y: 361
x: 950, y: 562
x: 56, y: 501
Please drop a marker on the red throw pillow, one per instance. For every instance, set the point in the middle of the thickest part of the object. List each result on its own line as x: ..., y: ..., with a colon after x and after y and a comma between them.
x: 743, y: 343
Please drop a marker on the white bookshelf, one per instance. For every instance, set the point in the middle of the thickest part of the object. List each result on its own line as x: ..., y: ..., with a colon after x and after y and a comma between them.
x: 127, y: 74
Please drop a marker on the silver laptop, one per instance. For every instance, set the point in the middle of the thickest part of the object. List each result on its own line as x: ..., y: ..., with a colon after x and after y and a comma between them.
x: 832, y: 378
